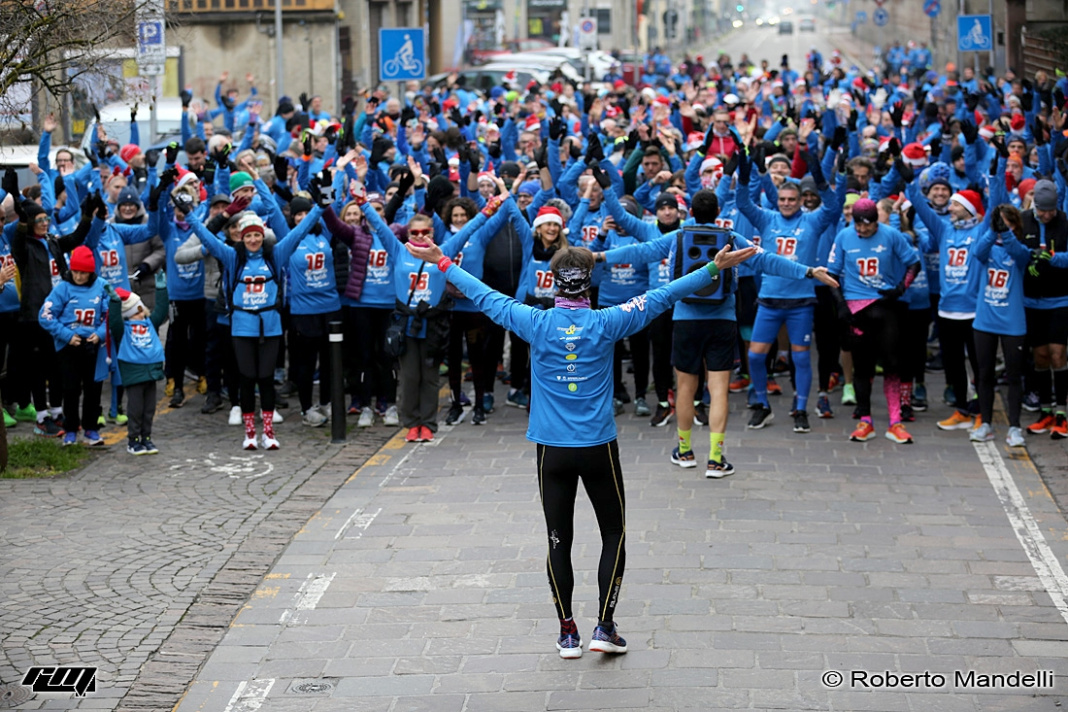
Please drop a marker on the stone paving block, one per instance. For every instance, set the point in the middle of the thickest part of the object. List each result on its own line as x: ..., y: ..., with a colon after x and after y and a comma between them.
x: 385, y: 686
x: 597, y: 700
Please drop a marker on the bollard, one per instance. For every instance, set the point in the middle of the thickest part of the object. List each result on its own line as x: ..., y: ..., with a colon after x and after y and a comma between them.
x: 337, y: 384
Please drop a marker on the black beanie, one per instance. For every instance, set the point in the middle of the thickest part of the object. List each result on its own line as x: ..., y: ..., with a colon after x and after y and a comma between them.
x: 299, y: 205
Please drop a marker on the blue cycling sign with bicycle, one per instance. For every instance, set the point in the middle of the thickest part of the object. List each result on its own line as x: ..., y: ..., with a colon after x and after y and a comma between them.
x: 975, y: 33
x: 401, y: 54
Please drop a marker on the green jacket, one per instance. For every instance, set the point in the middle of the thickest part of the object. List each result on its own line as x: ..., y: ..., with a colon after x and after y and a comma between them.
x: 134, y: 373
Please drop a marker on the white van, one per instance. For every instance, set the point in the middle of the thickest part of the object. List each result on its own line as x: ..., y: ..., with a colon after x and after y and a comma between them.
x: 116, y: 121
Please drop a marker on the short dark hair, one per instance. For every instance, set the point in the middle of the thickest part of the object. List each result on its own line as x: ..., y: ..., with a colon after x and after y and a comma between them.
x: 705, y: 206
x: 195, y: 145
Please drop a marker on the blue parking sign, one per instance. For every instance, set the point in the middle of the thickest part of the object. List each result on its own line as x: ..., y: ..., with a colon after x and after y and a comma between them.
x: 974, y: 33
x: 401, y: 54
x: 862, y: 17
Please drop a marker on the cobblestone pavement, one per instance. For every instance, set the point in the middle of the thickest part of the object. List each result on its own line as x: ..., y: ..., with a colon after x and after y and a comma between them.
x: 104, y: 566
x: 421, y: 585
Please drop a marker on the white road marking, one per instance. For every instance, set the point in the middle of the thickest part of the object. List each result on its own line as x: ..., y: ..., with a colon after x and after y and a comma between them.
x: 249, y: 696
x: 359, y: 520
x: 307, y: 597
x: 1029, y: 534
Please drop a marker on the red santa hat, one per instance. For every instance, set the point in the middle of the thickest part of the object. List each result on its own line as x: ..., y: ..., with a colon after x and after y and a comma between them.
x: 510, y: 77
x: 1018, y: 123
x: 487, y: 176
x: 130, y: 302
x: 184, y: 177
x: 532, y: 123
x: 987, y: 132
x: 694, y: 139
x: 711, y: 163
x: 971, y: 202
x: 612, y: 112
x: 548, y: 214
x: 914, y: 154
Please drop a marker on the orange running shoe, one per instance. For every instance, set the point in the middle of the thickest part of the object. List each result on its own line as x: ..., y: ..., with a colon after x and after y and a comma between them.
x: 1043, y: 424
x: 898, y: 434
x: 957, y: 421
x: 864, y: 432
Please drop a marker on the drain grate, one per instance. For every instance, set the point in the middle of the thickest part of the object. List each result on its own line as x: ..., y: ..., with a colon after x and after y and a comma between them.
x: 14, y: 694
x: 313, y: 686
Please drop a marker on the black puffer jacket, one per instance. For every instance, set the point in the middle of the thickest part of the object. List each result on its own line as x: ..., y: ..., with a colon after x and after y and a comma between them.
x: 34, y: 256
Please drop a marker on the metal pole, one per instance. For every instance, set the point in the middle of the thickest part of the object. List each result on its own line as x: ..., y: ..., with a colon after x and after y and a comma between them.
x: 337, y: 384
x: 153, y: 126
x: 280, y: 65
x: 589, y: 69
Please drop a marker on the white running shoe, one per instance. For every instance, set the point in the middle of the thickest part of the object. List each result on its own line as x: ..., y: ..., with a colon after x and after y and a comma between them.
x: 391, y: 417
x: 235, y: 416
x: 327, y: 410
x: 314, y: 418
x: 278, y: 419
x: 1015, y: 437
x: 249, y: 443
x: 983, y: 434
x: 367, y: 418
x: 270, y: 443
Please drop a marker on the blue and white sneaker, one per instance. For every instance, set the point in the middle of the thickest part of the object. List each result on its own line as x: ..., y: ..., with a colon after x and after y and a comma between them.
x: 149, y: 446
x: 607, y: 640
x: 1031, y: 403
x: 93, y: 438
x: 569, y: 643
x: 134, y: 447
x: 487, y: 402
x: 686, y: 459
x: 519, y: 399
x: 70, y: 439
x: 823, y: 407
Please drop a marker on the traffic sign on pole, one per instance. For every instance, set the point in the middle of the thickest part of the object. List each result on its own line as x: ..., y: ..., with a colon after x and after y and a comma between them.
x: 880, y: 17
x: 974, y: 33
x: 588, y: 33
x: 401, y: 54
x: 932, y: 8
x: 862, y: 17
x: 151, y: 39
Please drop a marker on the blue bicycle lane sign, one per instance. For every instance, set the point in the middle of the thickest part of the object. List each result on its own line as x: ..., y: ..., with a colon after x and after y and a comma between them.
x: 401, y: 54
x: 974, y: 33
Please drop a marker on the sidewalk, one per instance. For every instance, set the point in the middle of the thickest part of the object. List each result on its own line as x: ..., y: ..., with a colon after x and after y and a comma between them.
x: 421, y: 584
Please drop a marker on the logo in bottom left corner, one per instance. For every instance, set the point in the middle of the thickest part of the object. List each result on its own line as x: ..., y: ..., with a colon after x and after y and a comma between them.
x: 67, y: 678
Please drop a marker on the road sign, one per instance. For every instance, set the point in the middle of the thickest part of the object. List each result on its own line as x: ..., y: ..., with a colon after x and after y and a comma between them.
x: 401, y: 54
x: 587, y: 31
x: 880, y: 17
x: 932, y: 8
x: 880, y: 2
x: 151, y: 39
x: 862, y: 17
x: 974, y: 33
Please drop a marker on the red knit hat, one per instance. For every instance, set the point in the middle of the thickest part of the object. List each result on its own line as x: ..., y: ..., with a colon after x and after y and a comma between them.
x: 82, y: 260
x: 129, y: 151
x: 971, y: 202
x: 1026, y: 186
x: 549, y: 214
x: 1018, y: 122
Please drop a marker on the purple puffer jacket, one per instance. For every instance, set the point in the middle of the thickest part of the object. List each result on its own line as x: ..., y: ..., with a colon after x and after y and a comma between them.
x: 359, y: 240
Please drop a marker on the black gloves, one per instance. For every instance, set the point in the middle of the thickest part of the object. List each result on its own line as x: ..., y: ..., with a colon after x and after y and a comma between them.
x: 378, y: 150
x: 10, y: 184
x: 321, y: 189
x: 839, y: 138
x: 556, y: 128
x: 281, y: 169
x: 905, y: 171
x: 971, y: 101
x: 88, y: 206
x: 759, y: 158
x: 151, y: 157
x: 843, y: 159
x: 166, y: 180
x: 541, y: 156
x: 970, y: 131
x: 1038, y: 129
x: 997, y: 223
x: 305, y: 103
x: 745, y: 168
x: 171, y: 152
x: 601, y: 177
x: 731, y: 166
x: 594, y: 152
x: 893, y: 293
x: 851, y: 123
x: 998, y: 142
x: 407, y: 114
x: 186, y: 96
x: 183, y: 202
x: 221, y: 155
x: 143, y: 271
x: 306, y: 144
x: 494, y: 150
x: 897, y: 114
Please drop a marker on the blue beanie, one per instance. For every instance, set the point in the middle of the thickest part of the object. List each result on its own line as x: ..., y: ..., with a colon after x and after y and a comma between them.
x: 530, y: 187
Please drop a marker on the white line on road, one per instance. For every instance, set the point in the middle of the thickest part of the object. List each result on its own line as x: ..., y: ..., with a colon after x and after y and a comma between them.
x: 1027, y: 530
x: 359, y: 520
x: 307, y: 597
x: 249, y: 696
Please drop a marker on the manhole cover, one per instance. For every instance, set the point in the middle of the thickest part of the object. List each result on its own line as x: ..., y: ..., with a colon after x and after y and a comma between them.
x: 13, y: 694
x: 316, y: 686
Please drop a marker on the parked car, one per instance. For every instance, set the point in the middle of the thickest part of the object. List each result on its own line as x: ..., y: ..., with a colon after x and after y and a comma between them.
x: 487, y: 76
x: 20, y: 157
x: 116, y: 121
x: 806, y: 24
x: 508, y: 47
x: 786, y: 27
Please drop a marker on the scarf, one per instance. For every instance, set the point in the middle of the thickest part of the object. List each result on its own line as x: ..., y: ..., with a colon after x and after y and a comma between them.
x: 565, y: 302
x: 966, y: 224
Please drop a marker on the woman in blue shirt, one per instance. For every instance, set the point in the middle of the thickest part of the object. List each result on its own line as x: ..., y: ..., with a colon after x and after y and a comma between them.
x: 571, y: 418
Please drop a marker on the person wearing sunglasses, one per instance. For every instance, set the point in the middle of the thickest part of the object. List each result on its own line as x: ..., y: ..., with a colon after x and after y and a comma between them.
x: 874, y: 265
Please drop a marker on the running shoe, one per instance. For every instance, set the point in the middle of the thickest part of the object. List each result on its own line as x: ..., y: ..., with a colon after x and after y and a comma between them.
x: 700, y: 414
x: 1042, y: 425
x: 455, y: 415
x: 662, y: 416
x: 487, y: 402
x: 26, y: 415
x: 149, y: 446
x: 898, y: 434
x: 919, y: 398
x: 47, y: 428
x: 957, y: 421
x: 70, y: 439
x: 774, y: 389
x: 907, y: 416
x: 464, y: 400
x: 92, y: 438
x: 212, y: 403
x: 686, y: 459
x: 607, y: 640
x: 413, y: 435
x: 641, y: 408
x: 569, y: 643
x: 314, y: 417
x: 1015, y: 437
x: 761, y: 418
x: 983, y: 434
x: 865, y: 431
x: 849, y: 395
x: 517, y: 399
x: 367, y: 418
x: 249, y: 443
x: 1059, y: 429
x: 716, y: 469
x: 235, y: 416
x: 391, y: 417
x: 177, y: 400
x: 823, y: 407
x: 478, y: 417
x: 426, y: 434
x: 9, y: 422
x: 833, y: 382
x: 782, y: 364
x: 270, y: 443
x: 354, y: 407
x: 801, y: 422
x: 135, y: 447
x: 739, y: 384
x: 1031, y: 402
